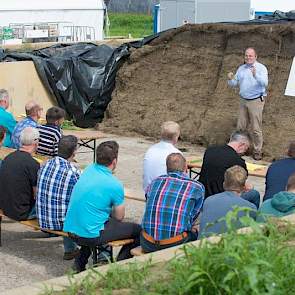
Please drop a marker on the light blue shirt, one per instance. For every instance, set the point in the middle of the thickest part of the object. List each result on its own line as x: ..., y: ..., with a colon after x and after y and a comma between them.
x: 94, y: 195
x: 7, y: 120
x: 250, y: 86
x: 20, y: 126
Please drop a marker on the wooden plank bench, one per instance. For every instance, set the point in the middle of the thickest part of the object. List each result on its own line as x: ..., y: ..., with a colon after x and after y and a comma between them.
x: 108, y: 247
x: 138, y: 251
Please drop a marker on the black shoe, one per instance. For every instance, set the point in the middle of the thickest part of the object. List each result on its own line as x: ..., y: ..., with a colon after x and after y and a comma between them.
x: 257, y: 156
x: 76, y: 268
x: 71, y: 255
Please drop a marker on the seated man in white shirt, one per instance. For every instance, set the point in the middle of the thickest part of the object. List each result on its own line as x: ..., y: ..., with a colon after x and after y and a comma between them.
x: 154, y: 163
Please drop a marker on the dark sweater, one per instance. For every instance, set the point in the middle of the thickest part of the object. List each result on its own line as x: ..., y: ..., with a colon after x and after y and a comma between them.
x: 215, y: 162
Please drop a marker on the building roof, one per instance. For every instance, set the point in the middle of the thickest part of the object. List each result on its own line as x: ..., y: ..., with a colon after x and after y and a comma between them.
x: 50, y: 4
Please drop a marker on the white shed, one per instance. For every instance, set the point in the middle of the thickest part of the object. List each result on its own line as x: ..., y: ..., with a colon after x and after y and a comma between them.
x: 175, y: 13
x: 71, y: 15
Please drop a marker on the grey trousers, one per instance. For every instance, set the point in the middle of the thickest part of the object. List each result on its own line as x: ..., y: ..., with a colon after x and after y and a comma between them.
x: 250, y: 118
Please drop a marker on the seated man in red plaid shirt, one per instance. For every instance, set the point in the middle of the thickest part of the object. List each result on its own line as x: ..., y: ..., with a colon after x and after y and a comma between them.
x: 173, y: 204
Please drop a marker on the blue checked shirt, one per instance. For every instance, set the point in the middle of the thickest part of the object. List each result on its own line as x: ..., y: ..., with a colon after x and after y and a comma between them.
x: 173, y: 204
x: 56, y: 180
x: 20, y: 126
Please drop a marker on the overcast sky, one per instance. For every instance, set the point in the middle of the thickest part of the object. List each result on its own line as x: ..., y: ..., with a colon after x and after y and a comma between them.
x: 272, y: 5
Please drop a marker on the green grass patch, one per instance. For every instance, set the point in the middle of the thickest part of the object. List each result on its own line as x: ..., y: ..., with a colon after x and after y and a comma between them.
x: 123, y: 24
x: 261, y: 262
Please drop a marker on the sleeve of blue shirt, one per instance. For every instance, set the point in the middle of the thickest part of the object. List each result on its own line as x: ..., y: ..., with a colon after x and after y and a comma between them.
x: 118, y: 195
x: 9, y: 125
x: 235, y: 81
x: 199, y: 196
x: 262, y: 75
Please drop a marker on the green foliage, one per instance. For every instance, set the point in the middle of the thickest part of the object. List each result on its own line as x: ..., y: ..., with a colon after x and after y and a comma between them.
x: 69, y: 125
x: 123, y: 24
x: 259, y: 262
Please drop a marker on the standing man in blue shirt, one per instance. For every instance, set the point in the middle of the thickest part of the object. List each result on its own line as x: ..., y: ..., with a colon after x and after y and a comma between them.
x: 252, y: 79
x: 6, y: 119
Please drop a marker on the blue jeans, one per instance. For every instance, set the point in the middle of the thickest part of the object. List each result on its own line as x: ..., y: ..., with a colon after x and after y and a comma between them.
x: 252, y: 196
x: 69, y: 245
x: 32, y: 214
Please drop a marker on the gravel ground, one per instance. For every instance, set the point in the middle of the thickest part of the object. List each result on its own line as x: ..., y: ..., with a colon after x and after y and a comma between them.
x: 27, y: 256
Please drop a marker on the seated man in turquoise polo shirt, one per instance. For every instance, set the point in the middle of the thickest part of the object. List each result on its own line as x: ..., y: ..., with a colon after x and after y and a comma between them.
x: 6, y: 119
x: 96, y: 208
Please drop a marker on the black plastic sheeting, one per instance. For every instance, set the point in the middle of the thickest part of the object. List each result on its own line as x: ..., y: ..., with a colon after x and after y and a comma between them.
x: 80, y: 76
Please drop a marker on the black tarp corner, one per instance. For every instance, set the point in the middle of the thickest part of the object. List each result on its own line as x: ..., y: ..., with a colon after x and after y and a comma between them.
x: 81, y: 76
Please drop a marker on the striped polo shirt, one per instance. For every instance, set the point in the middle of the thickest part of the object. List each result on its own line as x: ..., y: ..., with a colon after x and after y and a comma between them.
x: 50, y: 135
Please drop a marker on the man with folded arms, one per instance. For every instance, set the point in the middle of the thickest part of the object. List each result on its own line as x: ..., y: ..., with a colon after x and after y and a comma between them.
x: 173, y: 204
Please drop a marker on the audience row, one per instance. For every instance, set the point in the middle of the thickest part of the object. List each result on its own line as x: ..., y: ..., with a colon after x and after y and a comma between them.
x: 90, y: 206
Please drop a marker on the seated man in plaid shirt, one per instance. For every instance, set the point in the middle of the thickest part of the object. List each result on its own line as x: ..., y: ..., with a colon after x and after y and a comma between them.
x: 173, y: 204
x: 56, y: 180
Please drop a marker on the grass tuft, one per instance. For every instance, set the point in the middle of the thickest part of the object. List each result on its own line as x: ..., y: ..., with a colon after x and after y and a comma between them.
x: 137, y: 25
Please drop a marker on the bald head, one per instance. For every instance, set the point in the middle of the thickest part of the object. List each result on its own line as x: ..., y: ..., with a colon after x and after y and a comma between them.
x: 33, y: 109
x: 176, y: 162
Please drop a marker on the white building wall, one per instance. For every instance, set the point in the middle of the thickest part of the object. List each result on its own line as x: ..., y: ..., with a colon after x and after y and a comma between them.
x: 78, y: 12
x: 91, y: 18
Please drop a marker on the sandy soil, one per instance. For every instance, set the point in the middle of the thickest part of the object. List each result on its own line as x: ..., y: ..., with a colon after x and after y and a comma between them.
x: 27, y: 256
x: 181, y: 76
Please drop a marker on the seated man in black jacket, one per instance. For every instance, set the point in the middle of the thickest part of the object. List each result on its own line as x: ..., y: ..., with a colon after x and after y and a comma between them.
x: 217, y: 159
x: 18, y: 178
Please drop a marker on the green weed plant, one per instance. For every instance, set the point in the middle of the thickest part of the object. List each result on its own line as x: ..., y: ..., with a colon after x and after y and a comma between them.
x: 260, y: 262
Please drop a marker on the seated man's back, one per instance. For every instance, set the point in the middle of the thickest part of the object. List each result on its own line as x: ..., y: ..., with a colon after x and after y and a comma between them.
x: 18, y: 178
x: 56, y: 180
x: 33, y: 112
x: 154, y: 163
x: 217, y: 206
x: 173, y: 204
x: 216, y: 160
x: 50, y: 133
x: 282, y: 203
x: 96, y: 208
x: 278, y: 173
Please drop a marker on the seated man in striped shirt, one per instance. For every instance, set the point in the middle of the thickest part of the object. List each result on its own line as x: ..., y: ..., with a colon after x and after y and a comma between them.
x: 50, y: 133
x: 173, y: 203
